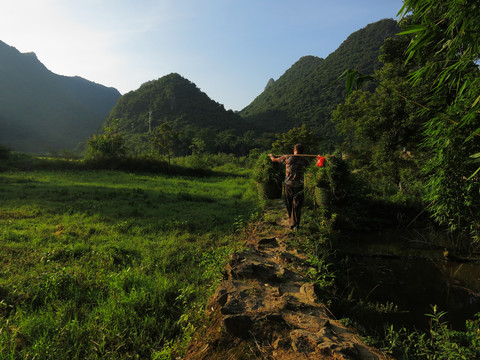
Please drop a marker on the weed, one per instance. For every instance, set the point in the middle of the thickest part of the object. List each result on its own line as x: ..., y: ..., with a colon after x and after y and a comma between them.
x: 439, y: 343
x: 320, y: 274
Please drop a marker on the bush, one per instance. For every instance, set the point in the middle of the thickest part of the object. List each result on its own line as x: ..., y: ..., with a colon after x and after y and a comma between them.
x: 266, y: 171
x: 333, y: 177
x: 106, y: 146
x: 110, y: 145
x: 442, y: 342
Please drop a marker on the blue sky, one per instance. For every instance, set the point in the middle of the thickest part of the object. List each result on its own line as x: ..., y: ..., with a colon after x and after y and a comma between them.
x: 228, y: 48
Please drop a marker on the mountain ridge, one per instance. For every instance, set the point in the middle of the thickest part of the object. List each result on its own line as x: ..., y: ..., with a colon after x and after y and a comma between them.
x: 177, y: 102
x: 41, y: 111
x: 50, y: 112
x: 307, y: 91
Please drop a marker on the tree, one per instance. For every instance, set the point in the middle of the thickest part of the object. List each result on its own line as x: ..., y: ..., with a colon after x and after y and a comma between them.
x: 351, y: 120
x: 380, y: 129
x: 163, y: 138
x: 226, y: 141
x: 106, y: 146
x: 301, y: 135
x: 446, y: 42
x: 198, y: 146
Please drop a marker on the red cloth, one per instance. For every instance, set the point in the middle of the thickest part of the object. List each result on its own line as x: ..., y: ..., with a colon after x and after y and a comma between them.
x: 320, y: 160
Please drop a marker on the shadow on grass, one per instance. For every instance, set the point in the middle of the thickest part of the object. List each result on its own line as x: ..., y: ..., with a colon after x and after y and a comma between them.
x: 26, y: 162
x: 172, y: 203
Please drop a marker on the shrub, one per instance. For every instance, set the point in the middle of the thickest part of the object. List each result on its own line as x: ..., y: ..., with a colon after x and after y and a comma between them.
x: 267, y: 171
x: 107, y: 146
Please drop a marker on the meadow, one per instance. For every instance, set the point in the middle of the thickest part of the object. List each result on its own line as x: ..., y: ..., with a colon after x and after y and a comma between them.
x: 105, y: 264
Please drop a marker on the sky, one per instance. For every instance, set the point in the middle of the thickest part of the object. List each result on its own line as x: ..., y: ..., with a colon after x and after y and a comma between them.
x: 228, y: 48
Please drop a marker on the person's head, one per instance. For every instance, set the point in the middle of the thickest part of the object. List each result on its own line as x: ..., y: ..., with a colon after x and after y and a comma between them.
x: 298, y: 149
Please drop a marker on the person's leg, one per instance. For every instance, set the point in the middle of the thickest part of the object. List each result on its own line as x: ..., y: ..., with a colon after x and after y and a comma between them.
x: 289, y: 198
x: 297, y: 204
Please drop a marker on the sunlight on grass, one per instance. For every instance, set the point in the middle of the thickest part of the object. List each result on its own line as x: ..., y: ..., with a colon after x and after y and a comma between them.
x: 103, y: 264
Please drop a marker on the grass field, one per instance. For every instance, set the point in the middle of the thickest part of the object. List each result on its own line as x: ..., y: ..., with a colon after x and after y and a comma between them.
x: 109, y: 265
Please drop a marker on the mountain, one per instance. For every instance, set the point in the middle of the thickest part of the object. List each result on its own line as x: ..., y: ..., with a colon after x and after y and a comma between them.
x: 175, y: 101
x: 305, y: 93
x: 43, y: 112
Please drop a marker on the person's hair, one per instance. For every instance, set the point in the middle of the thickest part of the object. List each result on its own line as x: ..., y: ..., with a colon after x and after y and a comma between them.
x: 299, y: 148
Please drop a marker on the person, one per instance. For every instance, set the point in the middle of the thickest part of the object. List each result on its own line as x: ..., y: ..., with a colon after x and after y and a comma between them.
x: 293, y: 185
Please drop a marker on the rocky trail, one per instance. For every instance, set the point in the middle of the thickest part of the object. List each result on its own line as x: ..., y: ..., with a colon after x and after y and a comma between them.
x: 265, y: 307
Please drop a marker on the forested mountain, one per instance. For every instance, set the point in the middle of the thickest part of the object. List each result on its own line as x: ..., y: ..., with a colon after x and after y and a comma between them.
x: 180, y: 105
x: 305, y: 93
x: 43, y: 112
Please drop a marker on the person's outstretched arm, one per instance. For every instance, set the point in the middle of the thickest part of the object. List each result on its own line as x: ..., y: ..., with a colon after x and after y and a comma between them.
x: 275, y: 159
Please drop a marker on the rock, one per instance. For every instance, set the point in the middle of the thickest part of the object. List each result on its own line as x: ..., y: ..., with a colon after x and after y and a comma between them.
x: 303, y: 341
x: 308, y: 292
x: 221, y: 296
x: 233, y: 306
x: 264, y: 308
x: 252, y: 270
x: 313, y: 322
x: 237, y: 325
x: 280, y: 343
x: 270, y: 242
x: 286, y: 258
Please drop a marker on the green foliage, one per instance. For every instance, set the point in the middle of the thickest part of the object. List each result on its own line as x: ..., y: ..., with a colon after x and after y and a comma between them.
x: 198, y: 146
x: 109, y: 265
x: 442, y: 342
x: 328, y: 186
x: 110, y: 145
x: 304, y: 94
x: 301, y: 135
x: 319, y: 274
x: 267, y: 171
x: 184, y: 114
x: 382, y: 130
x: 163, y: 140
x: 446, y: 43
x: 450, y: 32
x: 316, y: 177
x: 334, y: 175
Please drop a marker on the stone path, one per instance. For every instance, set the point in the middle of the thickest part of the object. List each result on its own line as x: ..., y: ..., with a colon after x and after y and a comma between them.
x: 266, y: 309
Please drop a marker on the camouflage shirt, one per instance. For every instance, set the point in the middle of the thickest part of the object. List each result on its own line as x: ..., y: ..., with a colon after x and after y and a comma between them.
x: 294, y: 169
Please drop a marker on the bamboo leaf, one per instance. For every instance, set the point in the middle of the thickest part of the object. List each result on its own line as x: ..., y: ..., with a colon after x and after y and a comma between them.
x: 350, y: 80
x: 412, y: 29
x: 476, y: 101
x: 462, y: 89
x: 475, y: 173
x: 362, y: 79
x: 340, y: 77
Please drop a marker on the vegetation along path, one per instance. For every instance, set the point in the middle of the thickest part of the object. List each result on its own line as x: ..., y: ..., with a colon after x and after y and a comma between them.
x: 265, y: 307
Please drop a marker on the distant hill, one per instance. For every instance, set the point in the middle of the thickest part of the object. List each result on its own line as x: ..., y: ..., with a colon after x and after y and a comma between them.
x: 177, y: 102
x: 41, y: 111
x: 305, y: 93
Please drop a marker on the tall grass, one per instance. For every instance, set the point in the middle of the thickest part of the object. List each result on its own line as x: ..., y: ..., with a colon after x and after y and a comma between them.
x: 108, y: 265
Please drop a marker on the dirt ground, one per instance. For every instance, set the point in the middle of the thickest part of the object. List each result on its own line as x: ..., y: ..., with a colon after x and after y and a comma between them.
x: 265, y: 307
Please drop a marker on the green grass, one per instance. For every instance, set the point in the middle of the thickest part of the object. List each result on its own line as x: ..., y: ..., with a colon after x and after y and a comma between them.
x: 108, y: 265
